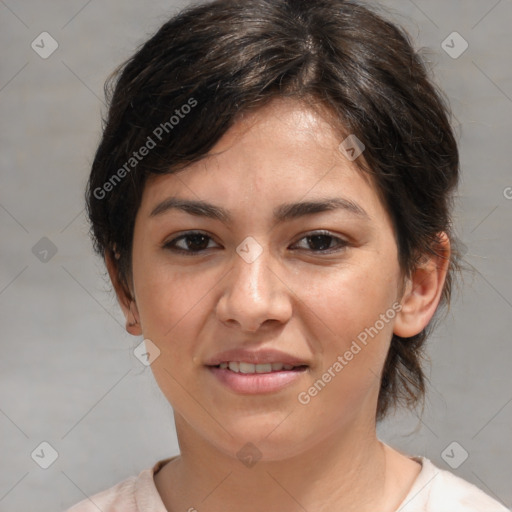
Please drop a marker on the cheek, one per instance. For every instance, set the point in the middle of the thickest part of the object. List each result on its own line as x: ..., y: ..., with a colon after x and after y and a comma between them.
x: 173, y: 307
x: 352, y: 342
x: 171, y: 303
x: 355, y: 313
x: 351, y: 299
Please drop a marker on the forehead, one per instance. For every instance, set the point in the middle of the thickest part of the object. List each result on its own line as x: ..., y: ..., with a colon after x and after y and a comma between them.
x: 283, y: 150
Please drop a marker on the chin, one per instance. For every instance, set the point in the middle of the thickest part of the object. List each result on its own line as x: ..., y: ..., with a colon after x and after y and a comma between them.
x: 263, y: 441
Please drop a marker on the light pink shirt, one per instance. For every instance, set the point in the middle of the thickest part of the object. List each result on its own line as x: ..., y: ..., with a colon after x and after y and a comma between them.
x: 434, y: 490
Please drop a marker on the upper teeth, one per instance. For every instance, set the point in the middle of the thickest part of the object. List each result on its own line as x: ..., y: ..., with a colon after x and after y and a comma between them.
x: 242, y: 367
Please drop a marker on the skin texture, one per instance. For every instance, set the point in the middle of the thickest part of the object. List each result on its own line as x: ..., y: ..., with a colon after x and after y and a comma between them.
x: 323, y: 455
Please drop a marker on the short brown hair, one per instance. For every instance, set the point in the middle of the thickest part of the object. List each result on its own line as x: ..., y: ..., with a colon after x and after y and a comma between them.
x: 223, y: 58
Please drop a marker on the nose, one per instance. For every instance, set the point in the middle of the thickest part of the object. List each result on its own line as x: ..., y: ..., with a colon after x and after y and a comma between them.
x: 254, y: 295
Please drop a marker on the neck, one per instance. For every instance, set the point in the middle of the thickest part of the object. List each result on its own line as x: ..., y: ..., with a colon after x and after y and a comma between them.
x: 348, y: 473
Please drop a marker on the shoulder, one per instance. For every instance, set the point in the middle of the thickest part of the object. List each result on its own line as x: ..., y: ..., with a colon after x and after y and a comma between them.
x: 449, y: 490
x: 131, y: 495
x: 438, y: 490
x: 119, y: 497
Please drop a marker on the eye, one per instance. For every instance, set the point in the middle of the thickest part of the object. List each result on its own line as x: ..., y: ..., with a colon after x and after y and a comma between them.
x: 189, y: 243
x: 321, y: 241
x: 195, y: 242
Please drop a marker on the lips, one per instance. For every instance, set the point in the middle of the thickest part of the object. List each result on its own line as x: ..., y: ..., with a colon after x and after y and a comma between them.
x: 255, y: 372
x: 248, y: 368
x: 255, y: 357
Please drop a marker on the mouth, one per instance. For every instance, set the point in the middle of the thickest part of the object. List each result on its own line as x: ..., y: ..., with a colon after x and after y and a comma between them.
x: 254, y: 372
x: 246, y: 378
x: 251, y: 368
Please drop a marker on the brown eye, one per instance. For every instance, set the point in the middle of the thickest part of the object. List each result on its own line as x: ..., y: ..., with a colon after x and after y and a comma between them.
x: 193, y: 242
x: 323, y: 242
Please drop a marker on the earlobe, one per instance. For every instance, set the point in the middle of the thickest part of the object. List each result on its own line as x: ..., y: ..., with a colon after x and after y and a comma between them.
x: 133, y: 320
x: 423, y: 291
x: 124, y: 297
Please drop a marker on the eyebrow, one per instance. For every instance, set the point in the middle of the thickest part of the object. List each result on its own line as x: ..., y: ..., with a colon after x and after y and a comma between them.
x: 282, y: 213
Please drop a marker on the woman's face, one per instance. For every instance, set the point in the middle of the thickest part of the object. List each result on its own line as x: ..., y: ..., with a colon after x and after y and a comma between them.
x: 317, y: 284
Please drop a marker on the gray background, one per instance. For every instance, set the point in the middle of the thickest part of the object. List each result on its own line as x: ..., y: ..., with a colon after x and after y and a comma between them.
x: 69, y: 376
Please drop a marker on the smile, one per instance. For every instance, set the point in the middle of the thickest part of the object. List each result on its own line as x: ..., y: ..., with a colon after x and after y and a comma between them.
x: 243, y: 367
x: 254, y: 379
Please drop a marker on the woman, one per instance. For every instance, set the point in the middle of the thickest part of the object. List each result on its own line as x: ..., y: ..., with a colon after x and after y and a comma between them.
x: 272, y: 198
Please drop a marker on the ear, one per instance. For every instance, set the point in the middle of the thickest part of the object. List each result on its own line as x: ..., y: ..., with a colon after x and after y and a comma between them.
x: 124, y: 296
x: 423, y: 290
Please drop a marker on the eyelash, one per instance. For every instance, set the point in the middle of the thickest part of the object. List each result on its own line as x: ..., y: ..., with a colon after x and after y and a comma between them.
x: 171, y: 244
